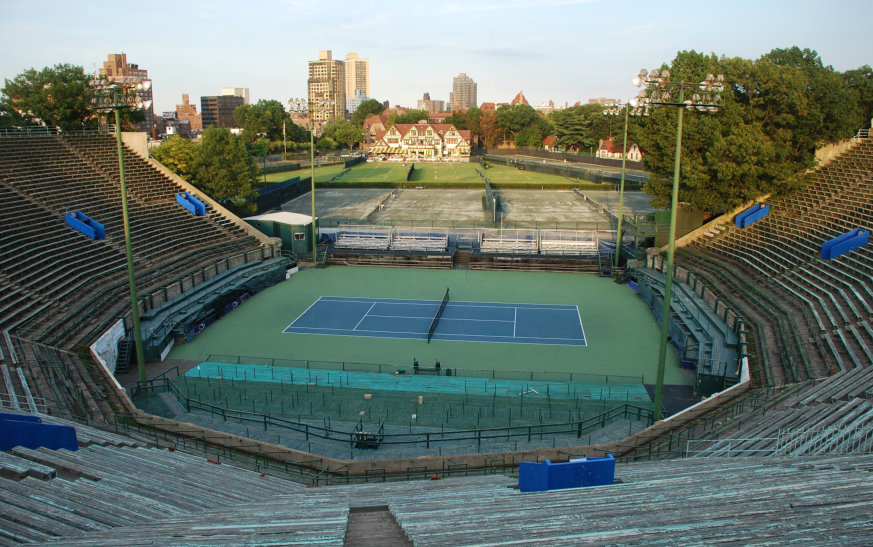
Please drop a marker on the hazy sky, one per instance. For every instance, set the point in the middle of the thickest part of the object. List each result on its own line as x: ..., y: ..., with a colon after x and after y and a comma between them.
x: 564, y: 50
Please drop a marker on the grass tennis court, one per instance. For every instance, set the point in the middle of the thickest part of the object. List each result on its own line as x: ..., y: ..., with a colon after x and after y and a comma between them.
x: 447, y: 172
x: 621, y: 334
x: 461, y: 173
x: 503, y: 174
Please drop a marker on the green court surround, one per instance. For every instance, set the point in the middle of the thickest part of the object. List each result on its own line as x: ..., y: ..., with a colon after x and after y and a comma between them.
x: 622, y: 334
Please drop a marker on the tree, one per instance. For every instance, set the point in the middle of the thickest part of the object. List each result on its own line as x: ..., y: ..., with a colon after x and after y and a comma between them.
x: 225, y: 171
x: 459, y: 120
x: 349, y: 133
x: 860, y: 80
x: 342, y: 130
x: 756, y: 143
x: 262, y: 119
x: 511, y: 120
x: 177, y: 154
x: 834, y: 113
x: 488, y: 128
x: 59, y: 96
x: 365, y: 110
x: 573, y: 128
x: 413, y: 116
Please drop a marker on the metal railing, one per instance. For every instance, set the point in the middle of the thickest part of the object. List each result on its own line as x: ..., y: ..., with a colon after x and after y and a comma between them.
x: 422, y: 438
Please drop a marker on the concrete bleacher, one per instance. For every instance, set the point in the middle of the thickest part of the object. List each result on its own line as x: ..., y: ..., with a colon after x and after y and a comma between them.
x: 780, y: 257
x: 62, y: 289
x: 833, y: 415
x: 707, y: 340
x: 113, y: 494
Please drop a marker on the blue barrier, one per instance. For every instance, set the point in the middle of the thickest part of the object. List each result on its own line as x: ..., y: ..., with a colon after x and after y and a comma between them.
x: 278, y: 186
x: 29, y: 432
x: 85, y: 224
x: 192, y: 204
x: 844, y: 243
x: 5, y: 416
x: 752, y: 214
x: 538, y: 477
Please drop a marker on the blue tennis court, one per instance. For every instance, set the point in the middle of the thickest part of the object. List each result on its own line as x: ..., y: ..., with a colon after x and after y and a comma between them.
x: 460, y: 321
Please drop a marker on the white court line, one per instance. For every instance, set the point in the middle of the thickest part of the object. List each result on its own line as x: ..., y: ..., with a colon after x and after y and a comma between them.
x: 302, y: 314
x: 581, y: 326
x: 363, y: 317
x: 456, y: 303
x: 443, y: 318
x: 359, y: 331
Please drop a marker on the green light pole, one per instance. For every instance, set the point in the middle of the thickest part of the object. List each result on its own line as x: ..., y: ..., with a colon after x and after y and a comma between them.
x: 633, y: 108
x: 115, y: 96
x: 706, y: 97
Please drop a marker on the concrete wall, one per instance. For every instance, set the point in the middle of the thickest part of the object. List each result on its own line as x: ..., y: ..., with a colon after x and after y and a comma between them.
x: 136, y: 141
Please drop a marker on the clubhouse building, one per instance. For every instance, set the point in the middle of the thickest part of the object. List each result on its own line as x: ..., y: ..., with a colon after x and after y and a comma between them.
x: 422, y: 141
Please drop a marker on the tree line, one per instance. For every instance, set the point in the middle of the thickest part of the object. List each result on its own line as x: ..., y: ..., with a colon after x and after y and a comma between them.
x: 777, y: 111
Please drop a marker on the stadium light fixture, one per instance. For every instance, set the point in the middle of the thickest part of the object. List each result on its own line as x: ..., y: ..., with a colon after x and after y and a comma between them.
x: 311, y: 107
x: 632, y: 108
x: 706, y: 96
x: 114, y: 96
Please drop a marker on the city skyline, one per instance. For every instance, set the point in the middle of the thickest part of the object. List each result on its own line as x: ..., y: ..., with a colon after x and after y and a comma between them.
x: 560, y: 50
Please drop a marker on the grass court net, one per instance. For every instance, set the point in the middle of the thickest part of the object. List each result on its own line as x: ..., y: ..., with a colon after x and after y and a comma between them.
x: 436, y: 317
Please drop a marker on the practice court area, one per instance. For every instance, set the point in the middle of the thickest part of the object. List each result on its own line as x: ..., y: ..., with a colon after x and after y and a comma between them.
x: 495, y: 322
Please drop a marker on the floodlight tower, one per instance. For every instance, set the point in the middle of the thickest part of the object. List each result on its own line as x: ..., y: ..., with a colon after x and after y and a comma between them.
x: 658, y: 90
x: 114, y: 96
x: 311, y: 107
x: 631, y: 109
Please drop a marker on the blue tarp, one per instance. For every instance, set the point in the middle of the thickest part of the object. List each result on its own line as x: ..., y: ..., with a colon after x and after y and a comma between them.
x: 537, y: 477
x: 29, y: 431
x: 85, y: 224
x: 844, y: 243
x: 752, y: 214
x: 192, y: 204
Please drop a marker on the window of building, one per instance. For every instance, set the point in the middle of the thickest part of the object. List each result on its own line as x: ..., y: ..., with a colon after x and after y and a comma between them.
x: 299, y: 236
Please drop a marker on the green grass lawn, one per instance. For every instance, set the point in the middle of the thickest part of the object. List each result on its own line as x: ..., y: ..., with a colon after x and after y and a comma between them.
x: 446, y: 172
x: 377, y: 172
x: 503, y: 174
x: 322, y: 174
x: 438, y: 174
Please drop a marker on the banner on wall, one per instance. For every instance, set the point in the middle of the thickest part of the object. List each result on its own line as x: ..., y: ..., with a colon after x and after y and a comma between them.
x: 105, y: 348
x: 200, y: 327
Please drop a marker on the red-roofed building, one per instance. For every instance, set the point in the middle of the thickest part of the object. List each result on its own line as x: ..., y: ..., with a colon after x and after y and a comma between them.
x: 549, y: 143
x: 422, y: 141
x: 519, y: 99
x: 609, y: 149
x: 439, y: 117
x: 488, y: 107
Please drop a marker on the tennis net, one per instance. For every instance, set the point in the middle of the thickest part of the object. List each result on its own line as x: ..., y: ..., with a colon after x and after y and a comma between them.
x: 436, y: 317
x: 490, y: 199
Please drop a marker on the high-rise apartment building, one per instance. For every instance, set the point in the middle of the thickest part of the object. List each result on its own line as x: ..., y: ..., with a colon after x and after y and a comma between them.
x: 188, y: 111
x: 355, y: 101
x: 463, y: 95
x: 237, y: 92
x: 357, y: 75
x: 217, y: 110
x: 116, y: 67
x: 327, y: 88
